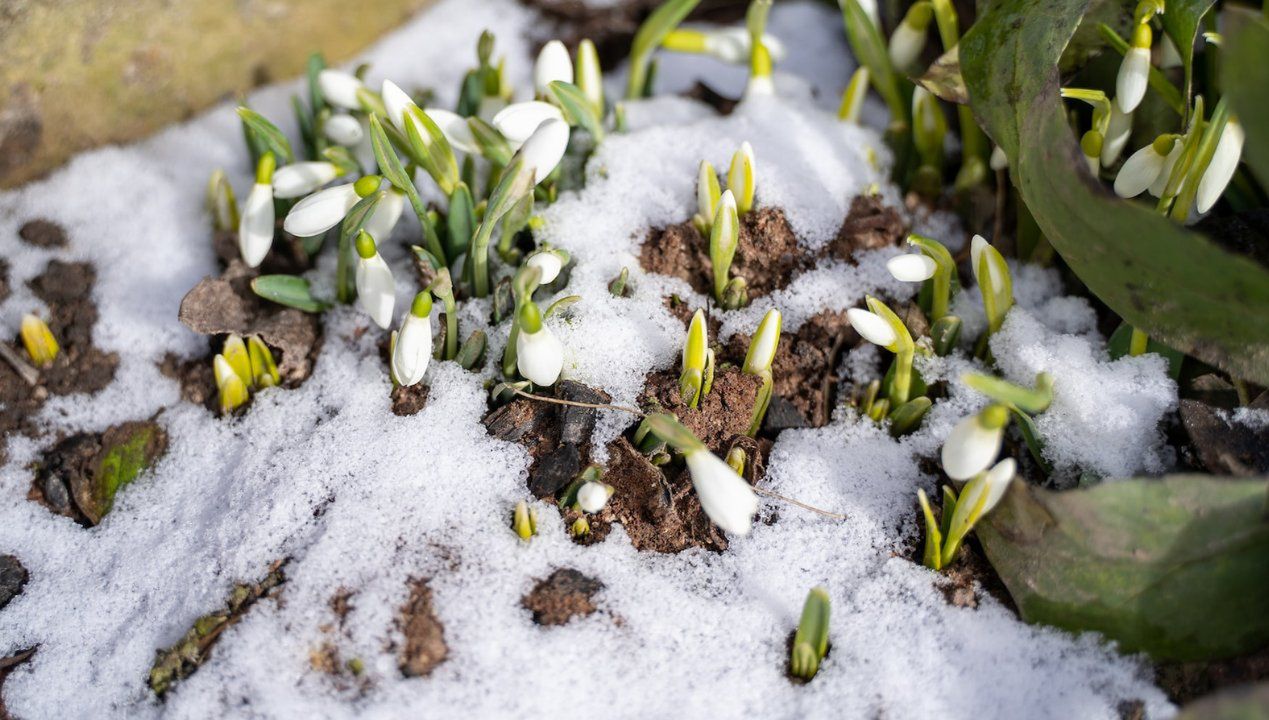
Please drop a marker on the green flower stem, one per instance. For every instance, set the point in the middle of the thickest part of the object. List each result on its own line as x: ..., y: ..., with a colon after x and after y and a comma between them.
x: 901, y: 387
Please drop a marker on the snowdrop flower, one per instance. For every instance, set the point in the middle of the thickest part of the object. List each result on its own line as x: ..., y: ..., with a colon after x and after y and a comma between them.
x: 256, y: 224
x: 974, y: 443
x: 1221, y: 169
x: 548, y: 262
x: 264, y: 371
x: 697, y: 374
x: 872, y: 327
x: 742, y: 178
x: 1160, y: 184
x: 340, y: 89
x: 593, y: 496
x: 725, y: 497
x: 1143, y: 168
x: 539, y: 354
x: 1134, y: 71
x: 344, y: 129
x: 230, y: 387
x: 376, y: 290
x: 455, y: 129
x: 708, y: 193
x: 519, y: 120
x: 38, y: 340
x: 734, y: 44
x: 1091, y: 146
x: 325, y: 209
x: 553, y: 64
x: 396, y: 101
x: 880, y: 326
x: 386, y: 215
x: 758, y: 361
x: 1118, y: 129
x: 908, y: 39
x: 302, y: 178
x: 235, y: 353
x: 912, y: 267
x: 412, y: 344
x: 544, y: 149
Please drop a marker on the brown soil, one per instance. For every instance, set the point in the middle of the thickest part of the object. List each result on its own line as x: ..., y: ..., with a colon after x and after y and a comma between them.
x: 43, y: 233
x: 1184, y: 682
x: 559, y: 598
x: 13, y: 577
x: 286, y: 256
x: 4, y: 280
x: 869, y: 225
x: 196, y: 377
x: 767, y: 257
x: 425, y: 646
x: 74, y: 478
x: 1224, y: 448
x: 7, y: 665
x: 409, y: 400
x: 721, y: 416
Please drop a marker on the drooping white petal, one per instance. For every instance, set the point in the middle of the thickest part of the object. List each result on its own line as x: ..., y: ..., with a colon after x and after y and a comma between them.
x: 912, y: 267
x: 340, y: 88
x: 1118, y: 131
x: 364, y: 151
x: 548, y: 263
x: 545, y: 148
x: 302, y: 178
x: 1160, y: 184
x: 396, y: 101
x: 1221, y: 169
x: 455, y: 129
x: 518, y: 121
x: 540, y: 356
x: 255, y: 227
x: 553, y: 64
x: 970, y: 448
x: 376, y: 290
x: 413, y: 349
x: 1134, y: 73
x: 906, y: 44
x: 344, y: 129
x: 592, y: 496
x: 725, y: 497
x: 1139, y: 172
x: 997, y: 482
x: 386, y: 215
x: 872, y: 327
x: 320, y: 211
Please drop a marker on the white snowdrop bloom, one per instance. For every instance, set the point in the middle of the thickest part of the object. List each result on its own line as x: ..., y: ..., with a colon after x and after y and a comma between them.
x: 974, y: 443
x: 1134, y: 71
x: 519, y: 120
x: 976, y: 247
x: 344, y: 129
x: 553, y: 64
x: 725, y: 497
x: 376, y: 290
x: 302, y: 178
x: 908, y: 40
x: 912, y: 267
x: 255, y: 226
x: 539, y: 354
x: 1118, y: 131
x: 1142, y: 168
x: 548, y: 263
x: 593, y: 496
x: 734, y: 45
x: 545, y: 148
x: 999, y: 160
x: 1165, y: 173
x: 872, y: 327
x: 412, y: 344
x: 1221, y: 169
x: 997, y: 482
x: 386, y: 215
x: 455, y: 129
x: 397, y: 102
x: 321, y: 211
x: 762, y: 348
x: 340, y: 88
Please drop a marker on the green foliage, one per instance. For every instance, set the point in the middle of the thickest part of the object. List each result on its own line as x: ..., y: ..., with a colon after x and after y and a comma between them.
x: 1244, y: 77
x: 265, y: 135
x: 289, y: 290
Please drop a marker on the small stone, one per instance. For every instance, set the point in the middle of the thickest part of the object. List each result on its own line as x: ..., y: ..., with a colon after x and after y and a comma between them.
x: 554, y: 470
x: 43, y: 233
x: 409, y: 400
x: 559, y: 598
x: 13, y: 578
x: 783, y: 415
x: 1225, y: 447
x: 425, y: 646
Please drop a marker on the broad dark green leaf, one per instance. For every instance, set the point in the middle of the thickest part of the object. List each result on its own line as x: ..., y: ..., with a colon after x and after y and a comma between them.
x: 1175, y: 566
x: 1173, y: 283
x: 267, y: 134
x: 1181, y: 22
x: 1245, y: 77
x: 290, y: 290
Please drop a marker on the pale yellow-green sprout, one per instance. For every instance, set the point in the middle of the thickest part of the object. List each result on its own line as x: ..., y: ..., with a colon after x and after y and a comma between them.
x: 994, y: 282
x: 810, y: 644
x: 962, y: 512
x: 697, y: 376
x: 880, y: 326
x: 524, y: 520
x: 589, y: 75
x: 235, y: 353
x: 229, y: 385
x: 221, y: 203
x: 758, y: 362
x: 724, y: 238
x: 38, y: 340
x: 264, y: 372
x: 708, y: 194
x: 741, y: 178
x: 853, y: 97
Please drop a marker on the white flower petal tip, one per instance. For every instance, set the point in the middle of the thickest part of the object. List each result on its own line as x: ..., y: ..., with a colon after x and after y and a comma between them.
x: 970, y: 448
x: 912, y: 267
x: 412, y: 350
x: 553, y: 64
x: 872, y: 327
x: 396, y: 101
x: 1221, y: 169
x: 997, y: 482
x: 520, y: 120
x: 906, y: 44
x: 255, y: 227
x: 320, y: 211
x: 593, y: 496
x: 548, y: 263
x: 340, y: 88
x: 725, y: 497
x: 1134, y: 73
x: 540, y: 357
x: 545, y: 148
x: 1139, y: 172
x: 999, y: 161
x: 376, y: 290
x: 344, y: 129
x: 302, y: 178
x: 455, y: 129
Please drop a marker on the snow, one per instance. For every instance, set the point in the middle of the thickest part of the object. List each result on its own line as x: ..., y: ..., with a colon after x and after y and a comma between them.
x: 360, y: 499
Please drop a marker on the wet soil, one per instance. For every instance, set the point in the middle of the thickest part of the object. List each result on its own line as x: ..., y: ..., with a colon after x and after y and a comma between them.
x: 1223, y: 447
x: 13, y: 577
x: 562, y: 596
x: 424, y: 646
x: 870, y: 224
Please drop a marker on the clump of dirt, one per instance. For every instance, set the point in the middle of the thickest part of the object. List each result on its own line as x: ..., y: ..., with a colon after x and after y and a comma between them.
x: 424, y: 646
x: 1224, y: 447
x: 13, y: 577
x: 409, y: 400
x: 562, y: 596
x: 43, y: 233
x: 183, y: 659
x: 556, y: 436
x: 80, y: 475
x: 196, y: 377
x: 223, y: 305
x: 1184, y: 682
x: 285, y: 256
x: 720, y: 417
x: 870, y: 224
x: 7, y: 665
x: 767, y: 257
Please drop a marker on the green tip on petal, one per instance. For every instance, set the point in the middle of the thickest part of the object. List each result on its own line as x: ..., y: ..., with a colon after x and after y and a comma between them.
x: 530, y: 318
x: 366, y: 185
x: 365, y: 245
x: 994, y: 416
x: 264, y: 169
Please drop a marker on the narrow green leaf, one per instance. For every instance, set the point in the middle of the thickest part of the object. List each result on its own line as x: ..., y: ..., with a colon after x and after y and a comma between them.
x: 266, y: 133
x: 1181, y: 20
x: 290, y: 290
x: 492, y: 144
x: 653, y: 30
x: 1244, y: 76
x: 578, y: 110
x: 869, y: 47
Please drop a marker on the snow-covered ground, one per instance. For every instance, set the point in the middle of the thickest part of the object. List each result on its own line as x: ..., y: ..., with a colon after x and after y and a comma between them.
x: 360, y: 499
